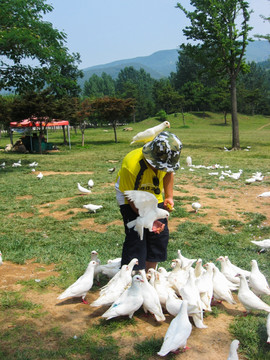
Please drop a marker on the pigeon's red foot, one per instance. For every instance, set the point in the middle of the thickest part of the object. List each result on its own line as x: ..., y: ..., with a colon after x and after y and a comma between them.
x: 85, y: 302
x: 176, y: 352
x: 245, y: 313
x: 186, y: 348
x: 215, y: 302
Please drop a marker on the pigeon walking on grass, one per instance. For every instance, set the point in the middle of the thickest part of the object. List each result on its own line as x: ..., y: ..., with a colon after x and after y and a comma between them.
x: 262, y: 244
x: 149, y: 212
x: 82, y: 285
x: 196, y: 206
x: 92, y: 208
x: 178, y: 332
x: 257, y: 280
x: 248, y: 299
x: 90, y: 183
x: 83, y: 190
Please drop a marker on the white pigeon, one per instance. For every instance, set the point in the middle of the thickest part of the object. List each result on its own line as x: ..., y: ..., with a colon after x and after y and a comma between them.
x: 268, y: 328
x: 263, y: 244
x: 151, y: 301
x: 236, y: 268
x: 189, y: 161
x: 33, y: 164
x: 149, y: 134
x: 173, y: 304
x: 92, y: 207
x: 3, y: 165
x: 1, y: 260
x: 129, y: 302
x: 16, y: 164
x: 161, y: 285
x: 147, y: 205
x: 111, y: 268
x: 116, y: 286
x: 178, y: 332
x: 205, y: 286
x: 228, y: 270
x: 196, y: 206
x: 248, y: 299
x: 233, y: 350
x: 40, y: 176
x: 221, y: 286
x: 264, y: 194
x: 83, y: 189
x: 199, y: 270
x: 190, y: 292
x: 257, y: 281
x: 178, y: 276
x: 82, y: 285
x: 90, y: 183
x: 94, y: 257
x: 186, y: 263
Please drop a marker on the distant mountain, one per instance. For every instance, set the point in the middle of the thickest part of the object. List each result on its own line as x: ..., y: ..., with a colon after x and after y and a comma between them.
x: 162, y: 63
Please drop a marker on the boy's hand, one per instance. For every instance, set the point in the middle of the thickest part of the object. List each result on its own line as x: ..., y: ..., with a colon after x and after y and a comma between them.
x: 158, y: 227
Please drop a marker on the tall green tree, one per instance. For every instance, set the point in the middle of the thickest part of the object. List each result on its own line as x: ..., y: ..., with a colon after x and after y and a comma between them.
x: 33, y: 53
x: 99, y: 86
x: 137, y: 84
x: 222, y: 28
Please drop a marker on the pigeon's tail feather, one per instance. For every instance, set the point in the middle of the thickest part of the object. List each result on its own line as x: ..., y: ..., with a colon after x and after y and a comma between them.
x: 160, y: 318
x: 131, y: 224
x: 62, y: 296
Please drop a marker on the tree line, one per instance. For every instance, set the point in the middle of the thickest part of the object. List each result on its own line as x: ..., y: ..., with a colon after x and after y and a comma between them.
x: 210, y: 76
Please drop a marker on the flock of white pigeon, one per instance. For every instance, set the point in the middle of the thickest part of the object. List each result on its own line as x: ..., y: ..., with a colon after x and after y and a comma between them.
x: 186, y: 291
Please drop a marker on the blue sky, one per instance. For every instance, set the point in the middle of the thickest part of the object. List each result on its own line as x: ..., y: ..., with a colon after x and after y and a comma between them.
x: 103, y: 31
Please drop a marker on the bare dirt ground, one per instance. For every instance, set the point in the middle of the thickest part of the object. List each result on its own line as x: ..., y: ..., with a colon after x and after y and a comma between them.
x: 74, y: 317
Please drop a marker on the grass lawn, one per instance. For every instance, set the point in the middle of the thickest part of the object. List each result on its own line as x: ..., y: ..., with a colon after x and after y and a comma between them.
x: 45, y: 233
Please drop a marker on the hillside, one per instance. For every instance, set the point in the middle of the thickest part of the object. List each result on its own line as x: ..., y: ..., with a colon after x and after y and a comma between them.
x: 162, y: 63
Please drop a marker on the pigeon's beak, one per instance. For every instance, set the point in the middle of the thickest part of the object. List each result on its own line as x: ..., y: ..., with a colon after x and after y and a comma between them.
x: 142, y: 280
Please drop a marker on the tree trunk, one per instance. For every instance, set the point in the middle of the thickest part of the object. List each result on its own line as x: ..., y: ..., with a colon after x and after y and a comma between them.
x: 225, y: 117
x: 82, y: 137
x: 64, y: 134
x: 114, y: 129
x: 11, y: 136
x: 235, y: 126
x: 183, y: 117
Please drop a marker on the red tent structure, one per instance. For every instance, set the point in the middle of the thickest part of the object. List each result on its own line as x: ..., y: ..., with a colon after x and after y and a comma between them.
x: 35, y: 123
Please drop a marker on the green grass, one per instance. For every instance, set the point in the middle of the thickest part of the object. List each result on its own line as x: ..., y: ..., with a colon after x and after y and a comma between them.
x: 26, y: 234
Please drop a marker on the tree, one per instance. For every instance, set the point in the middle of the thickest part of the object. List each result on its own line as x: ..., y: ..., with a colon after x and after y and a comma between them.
x: 112, y: 110
x: 166, y: 97
x: 222, y: 29
x: 132, y: 83
x: 97, y: 86
x: 33, y: 53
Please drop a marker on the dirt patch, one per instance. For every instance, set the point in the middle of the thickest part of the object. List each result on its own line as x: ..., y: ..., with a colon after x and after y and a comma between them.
x: 222, y: 204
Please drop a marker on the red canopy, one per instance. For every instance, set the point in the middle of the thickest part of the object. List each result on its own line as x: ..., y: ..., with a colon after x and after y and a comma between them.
x: 36, y: 123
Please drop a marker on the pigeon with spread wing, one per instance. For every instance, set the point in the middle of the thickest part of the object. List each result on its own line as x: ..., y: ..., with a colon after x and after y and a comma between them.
x: 149, y: 212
